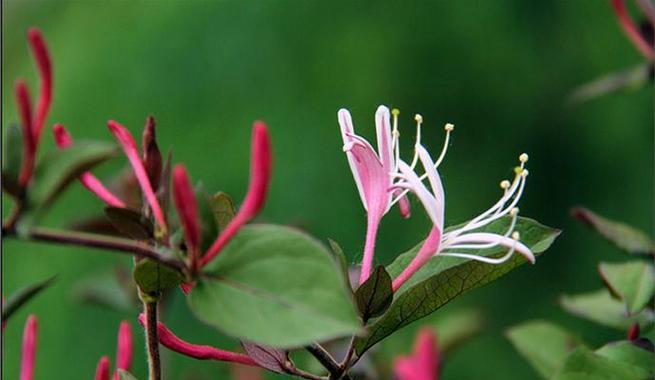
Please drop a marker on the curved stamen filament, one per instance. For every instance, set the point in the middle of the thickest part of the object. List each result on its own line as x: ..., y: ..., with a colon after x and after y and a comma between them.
x: 395, y: 142
x: 419, y: 121
x: 514, y: 213
x: 449, y: 128
x: 488, y: 260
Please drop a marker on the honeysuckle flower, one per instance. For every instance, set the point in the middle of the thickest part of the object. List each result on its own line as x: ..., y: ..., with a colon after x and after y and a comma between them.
x: 202, y: 352
x: 102, y: 370
x: 28, y: 357
x: 424, y: 362
x: 125, y: 349
x: 260, y: 175
x: 63, y: 140
x: 187, y: 210
x: 457, y: 242
x: 370, y: 170
x: 632, y: 31
x: 126, y: 141
x: 33, y: 120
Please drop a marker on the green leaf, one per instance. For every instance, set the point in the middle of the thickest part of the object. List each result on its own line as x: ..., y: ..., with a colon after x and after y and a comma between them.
x: 59, y: 168
x: 275, y: 286
x: 627, y: 352
x: 223, y: 209
x: 107, y: 290
x: 633, y: 282
x: 154, y: 278
x: 341, y: 261
x: 13, y: 150
x: 543, y: 344
x: 374, y: 296
x: 443, y: 279
x: 584, y: 364
x: 130, y: 223
x: 620, y: 234
x: 599, y: 307
x: 124, y: 375
x: 23, y: 295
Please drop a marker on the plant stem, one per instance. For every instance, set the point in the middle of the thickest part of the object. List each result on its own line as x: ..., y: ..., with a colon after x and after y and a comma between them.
x: 100, y: 242
x: 349, y: 355
x: 152, y: 340
x: 327, y: 361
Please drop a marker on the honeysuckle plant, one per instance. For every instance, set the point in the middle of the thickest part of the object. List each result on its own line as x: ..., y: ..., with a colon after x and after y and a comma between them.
x: 275, y: 288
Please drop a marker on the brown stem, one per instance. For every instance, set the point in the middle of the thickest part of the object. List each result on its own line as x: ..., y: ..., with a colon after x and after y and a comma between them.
x: 345, y: 364
x: 100, y: 242
x: 327, y: 361
x: 152, y: 340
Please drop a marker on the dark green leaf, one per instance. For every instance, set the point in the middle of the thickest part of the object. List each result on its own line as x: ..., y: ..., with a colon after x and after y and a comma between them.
x: 223, y: 209
x: 23, y: 295
x: 275, y: 286
x: 599, y: 306
x: 341, y: 260
x: 58, y: 169
x: 620, y: 234
x: 13, y: 151
x: 627, y: 352
x: 374, y: 296
x: 130, y: 223
x: 153, y: 278
x: 633, y: 282
x: 543, y: 344
x: 443, y: 279
x: 584, y: 364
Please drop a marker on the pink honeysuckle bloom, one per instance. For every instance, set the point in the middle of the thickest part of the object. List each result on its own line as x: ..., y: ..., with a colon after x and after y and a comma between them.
x: 632, y: 31
x: 424, y: 363
x: 33, y: 122
x: 371, y: 170
x: 125, y: 349
x: 187, y: 210
x: 126, y: 140
x: 102, y: 370
x: 28, y: 357
x: 63, y: 140
x: 172, y: 342
x: 260, y: 176
x: 455, y: 243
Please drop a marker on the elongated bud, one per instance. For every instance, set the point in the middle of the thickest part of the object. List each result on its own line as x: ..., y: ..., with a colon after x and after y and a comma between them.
x: 125, y: 139
x: 404, y: 207
x: 172, y: 342
x: 24, y: 105
x: 102, y: 370
x: 63, y: 140
x: 633, y: 332
x: 631, y: 30
x: 187, y: 210
x: 29, y: 349
x: 152, y: 159
x: 44, y: 65
x: 125, y: 348
x: 260, y: 176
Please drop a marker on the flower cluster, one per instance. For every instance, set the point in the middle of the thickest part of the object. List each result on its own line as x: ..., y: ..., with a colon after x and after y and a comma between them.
x: 384, y: 179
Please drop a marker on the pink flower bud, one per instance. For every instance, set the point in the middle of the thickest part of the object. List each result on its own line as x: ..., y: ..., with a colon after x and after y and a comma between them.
x: 632, y: 31
x: 424, y: 362
x: 29, y: 349
x: 44, y: 65
x: 187, y: 209
x: 125, y: 139
x: 63, y: 139
x: 125, y: 348
x: 172, y: 342
x: 24, y: 105
x: 260, y: 176
x: 102, y: 370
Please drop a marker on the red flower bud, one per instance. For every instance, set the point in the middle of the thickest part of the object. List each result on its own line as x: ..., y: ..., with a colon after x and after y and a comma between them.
x: 28, y: 357
x: 125, y: 349
x: 102, y: 370
x: 187, y: 210
x: 151, y: 155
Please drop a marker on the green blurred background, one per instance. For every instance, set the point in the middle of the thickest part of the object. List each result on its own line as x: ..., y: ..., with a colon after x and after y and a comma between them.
x: 499, y: 70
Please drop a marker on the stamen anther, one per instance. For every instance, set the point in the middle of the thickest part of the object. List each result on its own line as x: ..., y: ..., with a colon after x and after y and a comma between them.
x: 418, y: 118
x: 449, y: 127
x: 523, y: 158
x: 514, y: 211
x: 516, y: 235
x: 504, y: 184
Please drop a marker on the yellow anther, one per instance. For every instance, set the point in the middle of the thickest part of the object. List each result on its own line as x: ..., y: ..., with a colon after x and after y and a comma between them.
x: 449, y: 127
x: 395, y: 112
x: 504, y: 184
x: 523, y: 158
x: 516, y: 235
x: 518, y: 170
x: 514, y: 211
x: 418, y: 118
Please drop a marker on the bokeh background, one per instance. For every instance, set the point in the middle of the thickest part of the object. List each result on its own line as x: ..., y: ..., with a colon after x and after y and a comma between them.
x: 499, y: 70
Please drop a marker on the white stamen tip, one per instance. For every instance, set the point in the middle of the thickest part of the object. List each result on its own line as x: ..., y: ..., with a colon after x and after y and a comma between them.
x: 516, y: 235
x: 514, y: 212
x: 449, y: 127
x: 504, y: 184
x: 525, y: 173
x: 418, y: 118
x: 523, y: 158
